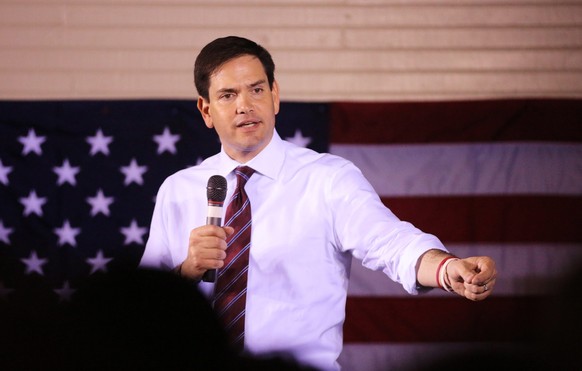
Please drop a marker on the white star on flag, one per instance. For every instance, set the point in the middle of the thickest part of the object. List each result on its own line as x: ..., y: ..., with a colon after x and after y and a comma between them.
x: 31, y: 143
x: 99, y: 262
x: 5, y: 232
x: 65, y: 293
x: 298, y: 139
x: 4, y: 291
x: 67, y: 234
x: 4, y: 171
x: 99, y: 143
x: 66, y: 173
x: 100, y: 203
x: 32, y: 204
x: 34, y: 264
x: 133, y: 172
x: 133, y: 233
x: 166, y: 141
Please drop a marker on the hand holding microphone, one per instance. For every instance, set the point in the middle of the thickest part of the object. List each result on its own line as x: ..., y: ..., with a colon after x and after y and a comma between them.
x: 215, y: 193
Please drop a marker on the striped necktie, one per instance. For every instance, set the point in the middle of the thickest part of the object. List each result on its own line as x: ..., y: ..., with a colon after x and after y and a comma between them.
x: 231, y: 284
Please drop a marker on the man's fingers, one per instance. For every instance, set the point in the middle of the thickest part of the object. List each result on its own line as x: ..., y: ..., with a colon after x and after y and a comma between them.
x: 478, y: 270
x: 478, y: 291
x: 228, y: 230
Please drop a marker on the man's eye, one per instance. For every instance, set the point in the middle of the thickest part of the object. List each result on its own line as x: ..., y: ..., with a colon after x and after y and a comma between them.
x: 227, y: 96
x: 258, y: 90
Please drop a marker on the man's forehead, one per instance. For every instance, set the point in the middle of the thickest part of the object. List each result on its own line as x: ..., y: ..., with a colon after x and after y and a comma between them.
x: 245, y: 70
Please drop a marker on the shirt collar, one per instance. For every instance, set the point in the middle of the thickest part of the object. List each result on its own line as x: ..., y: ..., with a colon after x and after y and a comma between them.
x: 268, y: 162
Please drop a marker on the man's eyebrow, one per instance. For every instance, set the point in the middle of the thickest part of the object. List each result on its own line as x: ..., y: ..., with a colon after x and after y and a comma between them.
x: 227, y: 90
x: 234, y: 90
x: 259, y: 82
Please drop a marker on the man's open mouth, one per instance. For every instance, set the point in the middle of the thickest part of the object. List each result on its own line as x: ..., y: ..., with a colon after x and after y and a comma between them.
x: 247, y: 124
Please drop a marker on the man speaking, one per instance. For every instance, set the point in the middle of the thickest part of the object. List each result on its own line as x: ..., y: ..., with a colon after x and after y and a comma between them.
x: 293, y: 221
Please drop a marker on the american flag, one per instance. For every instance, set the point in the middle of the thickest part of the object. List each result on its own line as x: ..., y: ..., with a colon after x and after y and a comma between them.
x: 501, y: 178
x: 78, y: 181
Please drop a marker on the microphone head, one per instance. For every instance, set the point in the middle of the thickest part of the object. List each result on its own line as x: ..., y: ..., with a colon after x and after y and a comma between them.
x: 216, y: 188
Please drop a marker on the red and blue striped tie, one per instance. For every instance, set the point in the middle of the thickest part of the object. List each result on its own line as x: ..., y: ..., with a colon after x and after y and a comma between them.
x: 231, y: 284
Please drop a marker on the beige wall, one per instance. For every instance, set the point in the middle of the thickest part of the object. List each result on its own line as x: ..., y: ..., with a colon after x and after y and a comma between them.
x: 324, y: 50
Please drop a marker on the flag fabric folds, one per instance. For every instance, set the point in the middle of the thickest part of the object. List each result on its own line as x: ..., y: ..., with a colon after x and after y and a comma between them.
x: 502, y: 178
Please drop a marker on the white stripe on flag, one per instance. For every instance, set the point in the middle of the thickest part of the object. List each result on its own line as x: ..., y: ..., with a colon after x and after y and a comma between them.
x: 469, y: 169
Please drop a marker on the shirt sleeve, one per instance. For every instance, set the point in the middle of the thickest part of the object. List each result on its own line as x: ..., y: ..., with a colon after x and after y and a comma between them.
x: 157, y: 251
x: 367, y: 229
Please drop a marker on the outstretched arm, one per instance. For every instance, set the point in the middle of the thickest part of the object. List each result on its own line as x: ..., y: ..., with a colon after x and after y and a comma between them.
x: 472, y: 277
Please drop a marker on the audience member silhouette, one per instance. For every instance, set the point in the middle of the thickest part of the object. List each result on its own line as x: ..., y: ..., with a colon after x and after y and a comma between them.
x: 130, y: 320
x: 147, y: 319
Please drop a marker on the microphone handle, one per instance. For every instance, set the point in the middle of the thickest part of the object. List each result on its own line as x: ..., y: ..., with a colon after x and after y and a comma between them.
x: 210, y: 275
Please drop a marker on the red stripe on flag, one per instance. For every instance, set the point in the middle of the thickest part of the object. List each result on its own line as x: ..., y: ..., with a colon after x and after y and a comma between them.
x: 555, y: 219
x: 457, y: 121
x: 404, y: 320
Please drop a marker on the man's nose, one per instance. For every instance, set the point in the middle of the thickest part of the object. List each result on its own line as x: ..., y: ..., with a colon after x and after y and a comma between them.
x: 244, y: 104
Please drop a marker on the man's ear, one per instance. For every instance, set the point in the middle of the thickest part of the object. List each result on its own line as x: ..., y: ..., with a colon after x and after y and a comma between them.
x: 204, y: 108
x: 275, y: 94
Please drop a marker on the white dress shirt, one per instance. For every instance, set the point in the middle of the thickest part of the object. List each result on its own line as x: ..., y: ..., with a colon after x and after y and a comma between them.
x: 311, y: 213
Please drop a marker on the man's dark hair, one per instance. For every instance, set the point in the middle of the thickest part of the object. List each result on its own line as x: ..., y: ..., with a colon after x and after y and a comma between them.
x: 222, y: 50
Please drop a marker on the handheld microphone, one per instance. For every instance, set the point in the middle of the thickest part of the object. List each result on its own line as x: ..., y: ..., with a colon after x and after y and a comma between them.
x: 216, y: 193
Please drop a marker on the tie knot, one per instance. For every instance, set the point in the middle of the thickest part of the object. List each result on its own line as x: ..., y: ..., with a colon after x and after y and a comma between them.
x: 243, y: 173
